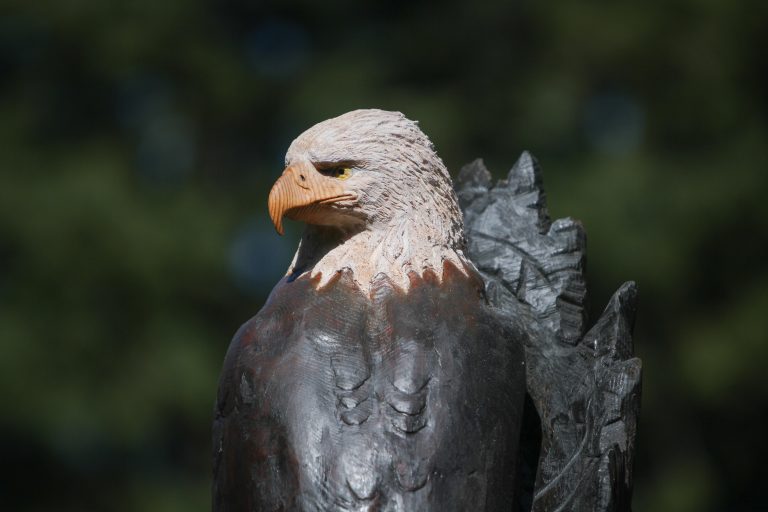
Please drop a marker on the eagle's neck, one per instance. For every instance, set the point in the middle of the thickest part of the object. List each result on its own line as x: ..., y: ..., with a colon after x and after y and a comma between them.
x: 397, y: 247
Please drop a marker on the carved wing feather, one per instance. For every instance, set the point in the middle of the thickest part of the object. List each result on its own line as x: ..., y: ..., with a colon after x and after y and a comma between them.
x: 584, y: 386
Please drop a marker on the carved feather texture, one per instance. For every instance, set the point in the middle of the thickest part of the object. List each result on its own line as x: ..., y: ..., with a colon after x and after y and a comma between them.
x: 412, y: 221
x: 585, y: 386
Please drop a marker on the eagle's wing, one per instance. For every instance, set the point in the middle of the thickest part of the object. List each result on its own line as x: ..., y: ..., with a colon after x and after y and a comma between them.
x: 578, y: 441
x: 249, y: 445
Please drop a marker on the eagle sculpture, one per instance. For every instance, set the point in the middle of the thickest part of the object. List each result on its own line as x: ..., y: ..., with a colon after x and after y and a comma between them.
x: 386, y: 371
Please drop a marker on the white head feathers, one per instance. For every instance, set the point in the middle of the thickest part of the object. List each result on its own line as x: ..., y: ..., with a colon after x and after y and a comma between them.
x: 406, y: 217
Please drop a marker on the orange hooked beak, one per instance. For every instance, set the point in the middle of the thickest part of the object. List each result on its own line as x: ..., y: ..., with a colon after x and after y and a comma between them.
x: 300, y: 191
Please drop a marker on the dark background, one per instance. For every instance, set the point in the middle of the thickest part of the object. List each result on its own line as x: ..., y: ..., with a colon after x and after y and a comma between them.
x: 138, y: 141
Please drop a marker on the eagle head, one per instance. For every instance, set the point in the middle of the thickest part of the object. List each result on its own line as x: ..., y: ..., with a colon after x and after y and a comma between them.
x: 375, y: 195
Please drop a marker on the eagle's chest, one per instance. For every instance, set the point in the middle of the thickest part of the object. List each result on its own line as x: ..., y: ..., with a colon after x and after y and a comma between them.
x: 359, y: 412
x: 389, y: 396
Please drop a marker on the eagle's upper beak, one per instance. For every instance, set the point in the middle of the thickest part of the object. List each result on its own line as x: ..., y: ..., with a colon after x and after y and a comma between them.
x: 300, y: 191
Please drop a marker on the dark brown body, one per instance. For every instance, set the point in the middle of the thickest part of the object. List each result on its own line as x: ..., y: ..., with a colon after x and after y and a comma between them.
x: 332, y: 400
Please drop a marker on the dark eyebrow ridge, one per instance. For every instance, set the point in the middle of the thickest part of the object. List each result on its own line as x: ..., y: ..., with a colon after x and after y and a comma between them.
x: 324, y: 166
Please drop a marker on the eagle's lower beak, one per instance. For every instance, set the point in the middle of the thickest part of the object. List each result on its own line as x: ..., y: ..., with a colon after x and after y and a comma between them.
x: 299, y: 191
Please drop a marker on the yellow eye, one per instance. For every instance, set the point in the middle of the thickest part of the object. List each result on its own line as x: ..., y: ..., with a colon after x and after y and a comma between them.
x: 343, y: 173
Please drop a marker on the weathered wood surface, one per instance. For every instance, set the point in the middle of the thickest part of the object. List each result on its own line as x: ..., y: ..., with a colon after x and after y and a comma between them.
x: 584, y: 385
x: 335, y: 400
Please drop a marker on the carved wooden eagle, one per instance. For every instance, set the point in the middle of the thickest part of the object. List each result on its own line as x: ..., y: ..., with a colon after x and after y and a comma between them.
x: 376, y: 376
x: 387, y: 371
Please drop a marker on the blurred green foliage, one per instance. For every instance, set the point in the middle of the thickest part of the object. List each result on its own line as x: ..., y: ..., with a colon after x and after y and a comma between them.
x: 138, y: 141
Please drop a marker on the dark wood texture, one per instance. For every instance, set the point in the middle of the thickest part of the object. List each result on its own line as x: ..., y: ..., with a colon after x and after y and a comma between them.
x: 578, y: 435
x: 332, y: 400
